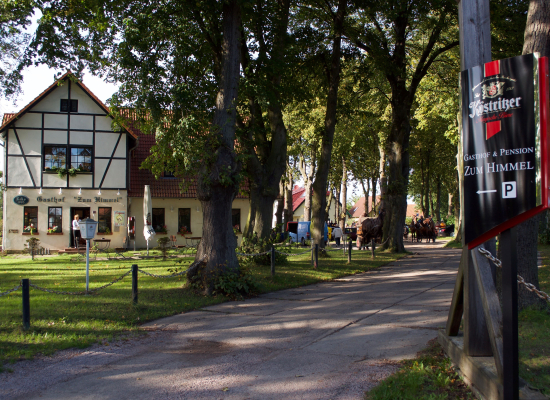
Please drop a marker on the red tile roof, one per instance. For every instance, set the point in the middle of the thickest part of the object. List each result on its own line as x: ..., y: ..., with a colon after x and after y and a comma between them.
x: 298, y: 196
x: 162, y: 187
x: 6, y: 117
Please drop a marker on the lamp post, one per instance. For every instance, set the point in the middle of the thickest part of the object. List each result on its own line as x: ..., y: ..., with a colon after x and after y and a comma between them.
x: 87, y: 231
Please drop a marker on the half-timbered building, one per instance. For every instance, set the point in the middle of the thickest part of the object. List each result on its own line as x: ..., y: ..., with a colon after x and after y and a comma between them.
x: 64, y: 156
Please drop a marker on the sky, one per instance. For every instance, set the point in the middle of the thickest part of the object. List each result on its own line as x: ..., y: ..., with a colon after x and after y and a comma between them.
x: 37, y: 79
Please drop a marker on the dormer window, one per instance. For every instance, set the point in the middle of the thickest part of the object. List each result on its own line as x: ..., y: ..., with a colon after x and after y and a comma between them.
x: 65, y: 103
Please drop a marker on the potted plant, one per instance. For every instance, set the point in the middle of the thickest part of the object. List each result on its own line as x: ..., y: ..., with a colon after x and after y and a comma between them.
x: 30, y: 230
x: 162, y: 229
x: 54, y: 230
x: 184, y: 231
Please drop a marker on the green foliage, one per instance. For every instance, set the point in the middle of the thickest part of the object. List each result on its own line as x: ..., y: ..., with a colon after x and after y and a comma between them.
x: 431, y: 377
x: 32, y: 246
x: 163, y: 246
x: 253, y: 245
x: 236, y: 283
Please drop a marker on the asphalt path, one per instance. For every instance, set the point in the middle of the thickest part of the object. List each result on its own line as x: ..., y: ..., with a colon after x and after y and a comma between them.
x: 330, y: 340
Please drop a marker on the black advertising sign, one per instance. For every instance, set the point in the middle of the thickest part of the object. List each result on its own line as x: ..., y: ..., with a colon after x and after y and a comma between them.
x: 504, y: 148
x: 21, y: 200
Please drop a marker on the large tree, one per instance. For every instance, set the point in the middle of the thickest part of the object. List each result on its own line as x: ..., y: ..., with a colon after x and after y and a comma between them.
x: 537, y: 40
x: 266, y: 59
x: 319, y: 200
x: 404, y: 39
x: 178, y: 64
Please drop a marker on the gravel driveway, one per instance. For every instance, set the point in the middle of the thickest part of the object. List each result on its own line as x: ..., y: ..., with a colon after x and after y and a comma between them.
x: 332, y: 340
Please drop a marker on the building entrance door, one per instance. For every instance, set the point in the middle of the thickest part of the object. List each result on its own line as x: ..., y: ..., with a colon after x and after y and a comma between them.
x: 83, y: 213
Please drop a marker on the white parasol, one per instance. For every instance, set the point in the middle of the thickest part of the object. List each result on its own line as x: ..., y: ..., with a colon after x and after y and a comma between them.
x: 148, y: 230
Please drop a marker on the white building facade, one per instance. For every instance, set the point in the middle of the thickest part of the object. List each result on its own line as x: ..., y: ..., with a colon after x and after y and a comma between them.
x: 63, y: 157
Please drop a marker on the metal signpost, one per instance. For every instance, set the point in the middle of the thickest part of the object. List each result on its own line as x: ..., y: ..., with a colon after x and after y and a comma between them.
x: 505, y: 175
x: 87, y: 231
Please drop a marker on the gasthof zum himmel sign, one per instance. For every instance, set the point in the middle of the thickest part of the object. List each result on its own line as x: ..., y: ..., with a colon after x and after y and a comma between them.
x: 504, y: 144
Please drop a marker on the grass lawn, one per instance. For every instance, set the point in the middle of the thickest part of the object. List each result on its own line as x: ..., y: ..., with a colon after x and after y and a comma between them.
x: 429, y: 376
x: 534, y: 335
x: 63, y: 321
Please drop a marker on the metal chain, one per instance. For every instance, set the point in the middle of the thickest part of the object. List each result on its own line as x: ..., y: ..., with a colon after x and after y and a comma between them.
x: 10, y: 291
x: 162, y: 276
x: 83, y: 292
x: 529, y: 286
x: 254, y: 254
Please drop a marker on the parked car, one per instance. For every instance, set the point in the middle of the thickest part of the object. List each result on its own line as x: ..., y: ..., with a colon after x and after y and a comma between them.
x: 299, y: 232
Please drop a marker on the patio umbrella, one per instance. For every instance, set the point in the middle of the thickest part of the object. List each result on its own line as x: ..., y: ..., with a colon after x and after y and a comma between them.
x: 148, y: 230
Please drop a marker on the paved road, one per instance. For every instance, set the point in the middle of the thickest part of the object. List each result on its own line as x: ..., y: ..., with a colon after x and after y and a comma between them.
x: 325, y: 341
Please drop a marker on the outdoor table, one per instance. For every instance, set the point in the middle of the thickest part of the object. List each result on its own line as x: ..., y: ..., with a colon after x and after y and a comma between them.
x: 102, y: 245
x: 193, y: 241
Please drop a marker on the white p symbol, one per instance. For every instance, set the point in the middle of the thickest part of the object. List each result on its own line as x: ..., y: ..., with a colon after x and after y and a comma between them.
x: 508, y: 190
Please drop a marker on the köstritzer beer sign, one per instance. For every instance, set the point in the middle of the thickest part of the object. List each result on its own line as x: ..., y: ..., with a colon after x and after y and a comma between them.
x: 504, y: 144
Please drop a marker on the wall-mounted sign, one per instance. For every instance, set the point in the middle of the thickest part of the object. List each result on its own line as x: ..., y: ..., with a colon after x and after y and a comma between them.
x: 21, y: 200
x: 120, y: 218
x: 504, y: 144
x: 50, y: 200
x: 97, y: 200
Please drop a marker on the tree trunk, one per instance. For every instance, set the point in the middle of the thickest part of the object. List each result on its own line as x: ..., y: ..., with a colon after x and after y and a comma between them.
x: 329, y: 202
x: 320, y: 184
x: 537, y: 39
x: 366, y: 193
x: 398, y: 175
x: 342, y: 218
x: 307, y: 176
x: 288, y: 211
x: 373, y: 203
x: 337, y: 208
x: 217, y: 247
x: 280, y: 204
x: 438, y: 201
x: 450, y: 205
x: 382, y: 173
x: 537, y: 35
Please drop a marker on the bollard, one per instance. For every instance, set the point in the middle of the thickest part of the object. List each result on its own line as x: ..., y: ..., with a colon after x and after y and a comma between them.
x: 316, y: 256
x: 273, y: 261
x: 135, y: 283
x: 372, y: 244
x: 349, y: 250
x: 26, y: 304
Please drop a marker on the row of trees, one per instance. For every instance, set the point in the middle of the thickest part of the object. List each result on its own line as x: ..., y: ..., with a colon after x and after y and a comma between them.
x: 241, y: 94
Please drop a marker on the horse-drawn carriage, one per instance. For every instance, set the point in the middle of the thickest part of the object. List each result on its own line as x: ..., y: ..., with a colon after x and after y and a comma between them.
x: 423, y: 228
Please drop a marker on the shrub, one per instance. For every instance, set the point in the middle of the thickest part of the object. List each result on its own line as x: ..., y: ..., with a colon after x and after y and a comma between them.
x: 163, y: 246
x: 252, y: 245
x: 32, y: 246
x: 235, y: 284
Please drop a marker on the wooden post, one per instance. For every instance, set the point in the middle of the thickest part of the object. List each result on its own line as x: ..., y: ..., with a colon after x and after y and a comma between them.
x: 26, y: 304
x: 273, y: 261
x: 475, y: 49
x: 349, y: 250
x: 135, y: 283
x: 509, y: 256
x: 372, y: 245
x: 491, y: 305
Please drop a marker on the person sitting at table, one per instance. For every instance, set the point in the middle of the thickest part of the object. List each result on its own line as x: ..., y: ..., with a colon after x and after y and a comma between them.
x: 76, y: 230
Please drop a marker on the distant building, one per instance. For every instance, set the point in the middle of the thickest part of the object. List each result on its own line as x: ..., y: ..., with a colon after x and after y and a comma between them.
x: 298, y: 203
x: 359, y: 208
